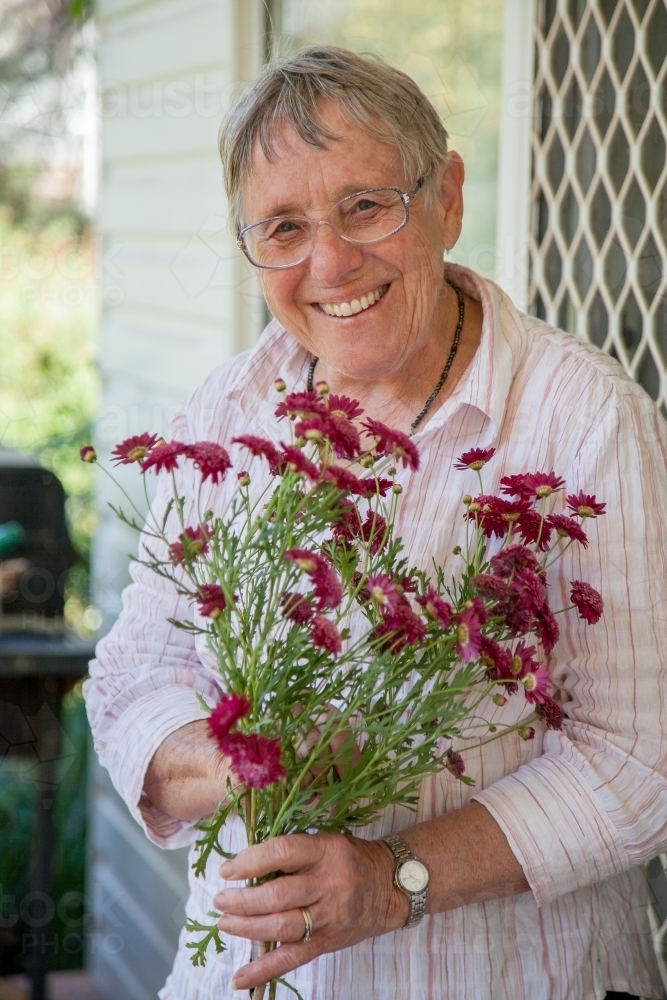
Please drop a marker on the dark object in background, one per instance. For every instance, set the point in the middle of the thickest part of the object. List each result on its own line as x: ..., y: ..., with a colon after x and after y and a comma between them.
x: 34, y: 497
x: 40, y: 660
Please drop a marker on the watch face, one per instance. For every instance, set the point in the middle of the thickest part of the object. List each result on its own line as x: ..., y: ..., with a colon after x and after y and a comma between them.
x: 413, y: 876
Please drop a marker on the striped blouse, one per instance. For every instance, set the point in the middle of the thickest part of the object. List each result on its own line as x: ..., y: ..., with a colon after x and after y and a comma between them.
x: 582, y: 808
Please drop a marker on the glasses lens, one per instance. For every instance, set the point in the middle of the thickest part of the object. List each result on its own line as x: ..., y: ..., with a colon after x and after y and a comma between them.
x: 278, y: 242
x: 371, y: 216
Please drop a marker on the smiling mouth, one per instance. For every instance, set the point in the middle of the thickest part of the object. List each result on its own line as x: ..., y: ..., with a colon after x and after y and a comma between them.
x: 354, y: 306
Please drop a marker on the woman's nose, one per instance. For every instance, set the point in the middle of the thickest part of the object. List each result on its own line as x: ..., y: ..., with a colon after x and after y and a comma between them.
x: 332, y: 257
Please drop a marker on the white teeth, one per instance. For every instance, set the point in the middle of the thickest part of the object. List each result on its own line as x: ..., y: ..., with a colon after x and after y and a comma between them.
x: 356, y: 305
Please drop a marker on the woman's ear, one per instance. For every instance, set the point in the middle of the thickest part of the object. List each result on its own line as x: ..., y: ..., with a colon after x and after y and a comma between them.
x: 449, y: 194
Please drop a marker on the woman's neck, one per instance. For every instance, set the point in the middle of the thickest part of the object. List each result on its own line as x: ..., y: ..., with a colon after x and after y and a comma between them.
x: 397, y: 399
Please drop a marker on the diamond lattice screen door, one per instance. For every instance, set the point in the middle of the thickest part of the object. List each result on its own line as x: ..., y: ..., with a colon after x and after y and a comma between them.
x: 598, y: 235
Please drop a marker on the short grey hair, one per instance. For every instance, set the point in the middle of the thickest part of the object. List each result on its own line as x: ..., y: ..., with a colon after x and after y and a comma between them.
x: 385, y: 102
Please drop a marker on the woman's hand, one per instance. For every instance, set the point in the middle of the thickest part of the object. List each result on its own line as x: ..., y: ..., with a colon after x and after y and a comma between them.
x: 346, y: 883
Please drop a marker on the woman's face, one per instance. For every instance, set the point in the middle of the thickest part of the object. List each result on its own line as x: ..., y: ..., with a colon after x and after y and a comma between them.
x: 406, y: 268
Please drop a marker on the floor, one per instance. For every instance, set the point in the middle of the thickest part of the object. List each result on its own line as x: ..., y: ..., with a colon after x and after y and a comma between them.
x: 62, y: 986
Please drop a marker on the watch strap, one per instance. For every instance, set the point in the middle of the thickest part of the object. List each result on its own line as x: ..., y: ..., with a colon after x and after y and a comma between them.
x: 402, y: 853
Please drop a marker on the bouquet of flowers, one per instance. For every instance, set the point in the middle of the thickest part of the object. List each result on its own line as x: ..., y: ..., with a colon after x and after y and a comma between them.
x: 349, y: 675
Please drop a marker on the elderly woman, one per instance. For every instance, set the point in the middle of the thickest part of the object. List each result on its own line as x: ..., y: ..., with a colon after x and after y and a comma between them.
x: 346, y: 199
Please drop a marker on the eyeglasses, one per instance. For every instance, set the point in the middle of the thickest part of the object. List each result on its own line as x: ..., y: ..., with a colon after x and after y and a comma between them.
x: 365, y: 217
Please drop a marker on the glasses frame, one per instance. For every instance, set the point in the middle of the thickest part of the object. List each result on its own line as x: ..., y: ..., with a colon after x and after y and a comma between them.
x: 405, y: 196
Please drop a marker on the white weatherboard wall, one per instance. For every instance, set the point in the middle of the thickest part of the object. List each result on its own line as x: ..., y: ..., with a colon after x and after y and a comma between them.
x: 177, y: 300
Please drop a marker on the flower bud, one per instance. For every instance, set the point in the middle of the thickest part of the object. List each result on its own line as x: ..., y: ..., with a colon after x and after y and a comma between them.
x: 314, y: 434
x: 493, y: 729
x: 467, y: 499
x: 88, y: 454
x: 526, y: 733
x: 475, y: 508
x: 397, y: 489
x: 279, y: 385
x: 499, y: 699
x: 456, y: 551
x: 391, y: 472
x: 367, y: 460
x: 322, y: 388
x: 208, y: 516
x: 516, y: 665
x: 243, y: 478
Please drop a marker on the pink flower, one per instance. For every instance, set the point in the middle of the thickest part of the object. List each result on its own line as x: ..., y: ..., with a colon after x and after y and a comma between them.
x: 256, y: 760
x: 497, y: 662
x: 344, y: 437
x: 393, y: 442
x: 313, y: 428
x: 531, y: 527
x: 133, y: 449
x: 343, y: 406
x: 211, y: 600
x: 585, y: 505
x: 468, y: 635
x: 328, y: 589
x: 374, y: 532
x: 260, y: 448
x: 567, y: 527
x: 192, y: 543
x: 325, y: 635
x: 88, y: 454
x: 535, y: 685
x: 296, y: 607
x: 529, y: 586
x: 295, y: 459
x: 163, y: 457
x: 400, y: 629
x: 474, y: 459
x: 529, y: 485
x: 435, y: 607
x: 588, y: 602
x: 301, y: 404
x: 381, y: 589
x: 454, y: 763
x: 495, y: 515
x: 226, y: 714
x: 522, y: 660
x: 491, y: 586
x: 211, y: 459
x: 547, y: 628
x: 345, y: 480
x: 513, y: 558
x: 550, y: 712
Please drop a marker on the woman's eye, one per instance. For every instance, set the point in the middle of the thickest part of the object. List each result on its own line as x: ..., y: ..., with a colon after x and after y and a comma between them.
x: 288, y: 227
x: 365, y: 205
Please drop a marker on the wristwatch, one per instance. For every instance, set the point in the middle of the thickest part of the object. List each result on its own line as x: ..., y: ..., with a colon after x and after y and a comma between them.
x: 410, y: 876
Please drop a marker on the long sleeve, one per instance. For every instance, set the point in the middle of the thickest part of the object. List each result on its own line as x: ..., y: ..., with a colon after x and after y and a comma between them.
x: 144, y: 681
x: 595, y: 802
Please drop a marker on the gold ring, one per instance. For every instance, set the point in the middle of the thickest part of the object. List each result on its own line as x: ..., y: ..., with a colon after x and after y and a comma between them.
x: 308, y: 921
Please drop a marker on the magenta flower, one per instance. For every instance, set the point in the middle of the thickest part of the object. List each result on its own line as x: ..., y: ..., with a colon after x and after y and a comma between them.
x: 164, y: 457
x: 567, y: 527
x: 295, y: 459
x: 260, y: 448
x: 435, y: 607
x: 393, y: 442
x: 307, y: 561
x: 513, y: 558
x: 325, y: 635
x: 550, y: 712
x: 256, y: 760
x: 454, y: 763
x: 226, y: 714
x: 548, y: 630
x: 529, y: 485
x: 192, y: 543
x: 211, y: 600
x: 301, y: 404
x: 328, y: 589
x: 474, y: 459
x: 491, y: 586
x: 535, y: 685
x: 88, y: 454
x: 381, y: 589
x: 468, y: 635
x: 133, y: 449
x: 374, y: 532
x: 497, y: 662
x: 296, y: 607
x: 344, y: 437
x: 400, y: 629
x: 585, y: 505
x: 588, y: 602
x: 531, y: 527
x: 343, y: 406
x: 211, y: 459
x: 345, y: 480
x: 495, y: 515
